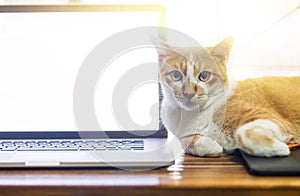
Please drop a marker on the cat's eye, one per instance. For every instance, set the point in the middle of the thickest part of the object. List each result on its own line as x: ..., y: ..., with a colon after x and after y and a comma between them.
x: 176, y: 75
x: 204, y: 76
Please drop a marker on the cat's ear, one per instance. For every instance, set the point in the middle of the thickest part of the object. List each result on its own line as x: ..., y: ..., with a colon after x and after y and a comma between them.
x: 163, y: 49
x: 222, y: 50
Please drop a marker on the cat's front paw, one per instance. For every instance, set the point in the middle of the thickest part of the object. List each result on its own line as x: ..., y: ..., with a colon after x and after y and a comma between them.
x: 262, y: 138
x: 204, y: 146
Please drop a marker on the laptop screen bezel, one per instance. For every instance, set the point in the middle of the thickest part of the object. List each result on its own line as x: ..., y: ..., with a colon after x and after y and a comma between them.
x: 160, y: 133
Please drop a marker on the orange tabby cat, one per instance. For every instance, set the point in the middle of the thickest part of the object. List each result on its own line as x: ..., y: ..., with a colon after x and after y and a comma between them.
x: 213, y: 115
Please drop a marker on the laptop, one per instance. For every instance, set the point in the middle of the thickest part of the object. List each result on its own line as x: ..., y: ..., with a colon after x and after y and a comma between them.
x: 57, y: 110
x: 274, y: 166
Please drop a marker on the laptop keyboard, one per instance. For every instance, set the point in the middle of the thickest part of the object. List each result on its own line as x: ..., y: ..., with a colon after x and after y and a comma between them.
x: 71, y: 145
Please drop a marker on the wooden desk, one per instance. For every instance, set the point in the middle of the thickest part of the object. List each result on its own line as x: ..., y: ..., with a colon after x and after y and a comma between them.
x: 191, y: 175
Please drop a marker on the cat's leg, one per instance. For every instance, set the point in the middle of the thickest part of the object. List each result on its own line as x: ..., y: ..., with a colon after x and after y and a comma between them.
x: 201, y: 146
x: 262, y: 138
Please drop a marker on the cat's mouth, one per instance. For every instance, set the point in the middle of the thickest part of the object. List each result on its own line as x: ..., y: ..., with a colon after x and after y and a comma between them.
x: 192, y: 104
x: 189, y: 104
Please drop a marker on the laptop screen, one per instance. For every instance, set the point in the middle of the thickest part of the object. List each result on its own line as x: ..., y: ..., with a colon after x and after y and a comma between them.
x: 41, y: 54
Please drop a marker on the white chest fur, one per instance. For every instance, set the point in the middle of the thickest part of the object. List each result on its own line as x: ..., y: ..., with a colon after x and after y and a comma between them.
x: 184, y: 123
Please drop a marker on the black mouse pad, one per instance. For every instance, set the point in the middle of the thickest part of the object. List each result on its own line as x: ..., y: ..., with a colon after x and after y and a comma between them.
x: 280, y: 166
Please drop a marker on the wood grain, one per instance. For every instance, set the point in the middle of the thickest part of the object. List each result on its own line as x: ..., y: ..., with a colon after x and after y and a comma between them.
x: 189, y: 175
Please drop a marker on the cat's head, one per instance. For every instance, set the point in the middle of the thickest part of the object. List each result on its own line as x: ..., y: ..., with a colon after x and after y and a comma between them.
x: 194, y: 76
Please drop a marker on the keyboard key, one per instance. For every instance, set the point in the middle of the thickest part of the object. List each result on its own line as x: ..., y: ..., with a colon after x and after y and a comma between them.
x: 9, y: 148
x: 30, y: 142
x: 100, y: 148
x: 125, y: 148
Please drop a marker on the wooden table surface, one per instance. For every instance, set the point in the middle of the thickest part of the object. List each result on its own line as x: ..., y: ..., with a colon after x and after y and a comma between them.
x: 190, y: 175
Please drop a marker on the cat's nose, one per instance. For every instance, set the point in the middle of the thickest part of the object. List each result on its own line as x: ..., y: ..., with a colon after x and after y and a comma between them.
x: 189, y: 95
x: 189, y: 90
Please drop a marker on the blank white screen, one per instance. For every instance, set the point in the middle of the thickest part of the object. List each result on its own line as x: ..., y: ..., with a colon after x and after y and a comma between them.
x: 40, y: 55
